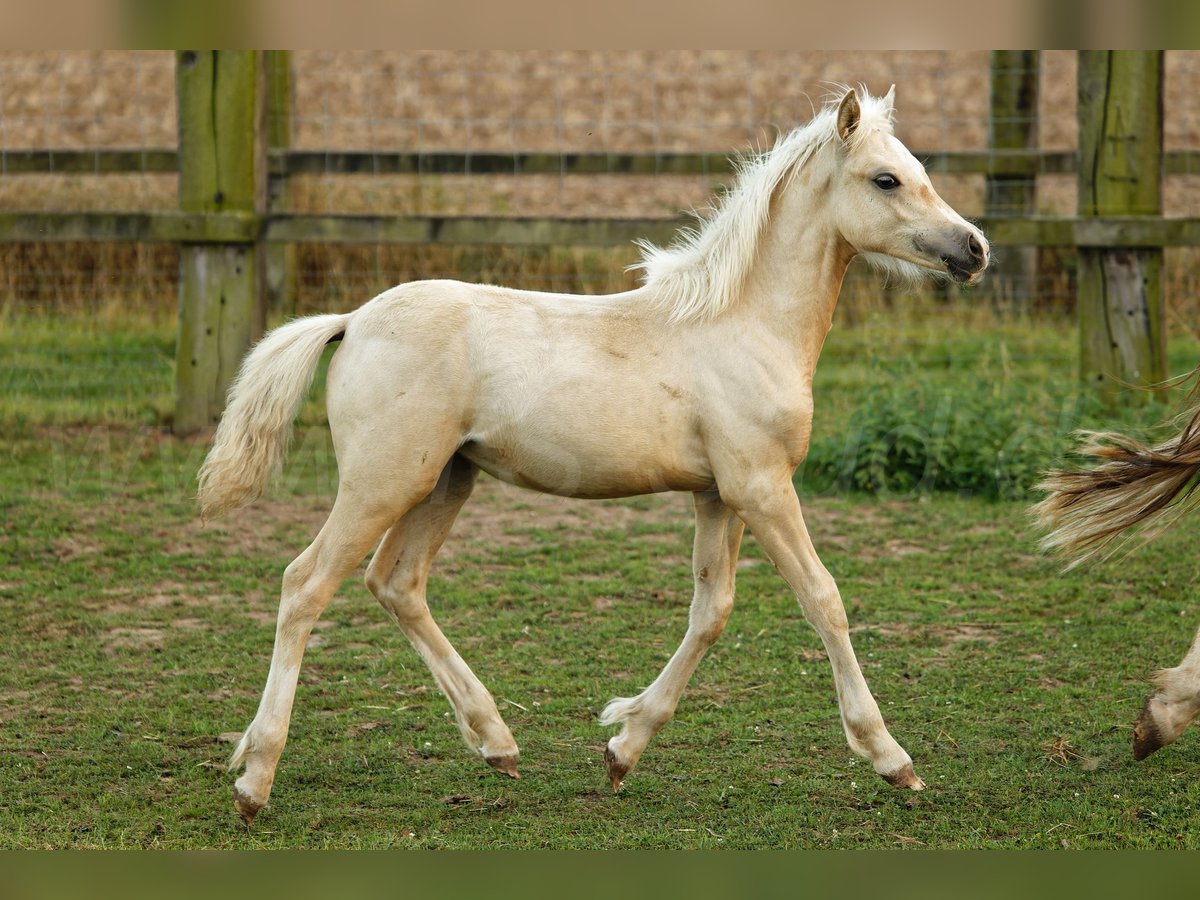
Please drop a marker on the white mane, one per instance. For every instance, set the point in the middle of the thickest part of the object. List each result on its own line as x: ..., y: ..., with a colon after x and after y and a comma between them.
x: 702, y: 273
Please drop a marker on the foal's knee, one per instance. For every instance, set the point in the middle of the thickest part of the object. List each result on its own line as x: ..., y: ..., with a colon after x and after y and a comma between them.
x: 823, y: 608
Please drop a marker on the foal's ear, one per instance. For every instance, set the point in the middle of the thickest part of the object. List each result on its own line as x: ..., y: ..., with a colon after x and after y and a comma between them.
x: 889, y: 98
x: 847, y: 114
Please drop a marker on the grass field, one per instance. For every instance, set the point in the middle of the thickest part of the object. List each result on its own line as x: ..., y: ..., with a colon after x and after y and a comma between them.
x: 135, y: 641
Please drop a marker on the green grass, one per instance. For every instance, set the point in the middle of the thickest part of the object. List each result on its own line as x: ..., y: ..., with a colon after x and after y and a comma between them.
x: 133, y: 637
x: 72, y: 370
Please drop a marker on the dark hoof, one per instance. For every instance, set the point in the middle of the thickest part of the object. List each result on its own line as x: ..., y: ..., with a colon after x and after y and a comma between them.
x: 617, y: 770
x: 1146, y: 737
x: 506, y: 765
x: 905, y: 778
x: 246, y: 808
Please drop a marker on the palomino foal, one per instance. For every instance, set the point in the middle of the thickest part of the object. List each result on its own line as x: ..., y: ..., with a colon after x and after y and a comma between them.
x: 700, y: 381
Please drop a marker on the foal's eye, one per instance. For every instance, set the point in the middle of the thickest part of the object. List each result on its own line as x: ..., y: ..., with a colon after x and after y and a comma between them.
x: 887, y: 182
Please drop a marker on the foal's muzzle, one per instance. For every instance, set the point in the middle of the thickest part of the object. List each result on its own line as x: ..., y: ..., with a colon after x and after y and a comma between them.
x: 965, y: 255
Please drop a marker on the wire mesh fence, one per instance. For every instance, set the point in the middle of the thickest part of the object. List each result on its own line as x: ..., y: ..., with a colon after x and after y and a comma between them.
x: 555, y: 103
x: 486, y: 102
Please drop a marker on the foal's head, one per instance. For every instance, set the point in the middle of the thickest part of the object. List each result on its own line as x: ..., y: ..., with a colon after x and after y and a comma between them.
x: 885, y: 205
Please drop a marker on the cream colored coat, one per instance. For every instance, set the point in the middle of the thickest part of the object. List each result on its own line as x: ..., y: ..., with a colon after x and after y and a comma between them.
x: 700, y: 381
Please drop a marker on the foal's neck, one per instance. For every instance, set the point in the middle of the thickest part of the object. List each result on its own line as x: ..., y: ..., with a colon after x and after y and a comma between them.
x: 794, y: 284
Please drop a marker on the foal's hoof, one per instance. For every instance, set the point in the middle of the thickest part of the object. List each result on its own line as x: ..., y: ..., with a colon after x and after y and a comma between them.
x: 904, y: 778
x: 1146, y: 736
x: 246, y: 808
x: 506, y: 765
x: 617, y: 770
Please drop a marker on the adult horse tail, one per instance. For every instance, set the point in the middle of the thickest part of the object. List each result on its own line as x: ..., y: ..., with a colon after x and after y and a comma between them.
x: 1087, y: 510
x: 252, y: 437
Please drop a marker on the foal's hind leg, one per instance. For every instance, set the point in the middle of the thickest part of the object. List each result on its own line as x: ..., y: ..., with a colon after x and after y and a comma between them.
x: 714, y: 561
x: 308, y: 585
x: 1172, y: 707
x: 397, y: 577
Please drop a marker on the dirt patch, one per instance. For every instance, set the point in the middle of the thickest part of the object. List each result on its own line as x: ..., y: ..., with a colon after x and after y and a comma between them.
x: 501, y: 515
x: 902, y: 548
x: 959, y: 634
x: 120, y: 601
x: 821, y: 513
x: 944, y: 637
x: 271, y: 525
x: 69, y: 548
x: 884, y: 630
x: 860, y: 529
x: 150, y: 638
x: 117, y: 639
x: 14, y: 702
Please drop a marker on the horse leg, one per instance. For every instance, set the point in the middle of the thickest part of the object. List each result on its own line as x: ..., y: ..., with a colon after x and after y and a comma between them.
x: 714, y: 562
x: 374, y: 491
x: 1169, y: 710
x: 397, y: 577
x: 308, y: 585
x: 771, y: 510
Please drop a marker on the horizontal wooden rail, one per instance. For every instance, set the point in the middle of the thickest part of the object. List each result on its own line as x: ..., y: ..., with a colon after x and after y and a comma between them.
x: 462, y: 230
x: 307, y: 162
x: 317, y: 162
x: 88, y: 162
x: 294, y: 162
x: 170, y: 227
x: 174, y: 227
x: 1109, y: 231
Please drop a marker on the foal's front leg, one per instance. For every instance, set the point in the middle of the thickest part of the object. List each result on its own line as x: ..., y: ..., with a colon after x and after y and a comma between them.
x: 771, y: 510
x: 1170, y: 709
x: 714, y: 561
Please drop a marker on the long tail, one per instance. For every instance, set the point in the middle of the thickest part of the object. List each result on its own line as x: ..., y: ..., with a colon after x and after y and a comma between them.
x: 1088, y: 510
x: 252, y: 438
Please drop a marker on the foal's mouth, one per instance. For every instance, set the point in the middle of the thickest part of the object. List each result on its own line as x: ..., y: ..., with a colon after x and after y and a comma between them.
x: 964, y: 253
x: 960, y: 273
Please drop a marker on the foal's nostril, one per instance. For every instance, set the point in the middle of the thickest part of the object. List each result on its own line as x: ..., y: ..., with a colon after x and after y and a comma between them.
x: 974, y: 247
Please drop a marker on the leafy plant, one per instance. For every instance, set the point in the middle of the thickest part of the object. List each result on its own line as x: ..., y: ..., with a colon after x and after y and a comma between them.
x: 916, y: 433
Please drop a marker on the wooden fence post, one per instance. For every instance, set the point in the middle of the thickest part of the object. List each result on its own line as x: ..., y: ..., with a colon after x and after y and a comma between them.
x: 281, y: 258
x: 1122, y: 334
x: 1012, y: 125
x: 221, y: 170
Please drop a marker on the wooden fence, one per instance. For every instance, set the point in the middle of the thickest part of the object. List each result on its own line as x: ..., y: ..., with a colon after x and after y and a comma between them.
x: 232, y: 223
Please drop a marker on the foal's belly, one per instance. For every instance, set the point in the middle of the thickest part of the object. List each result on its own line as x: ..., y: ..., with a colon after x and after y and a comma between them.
x: 570, y: 470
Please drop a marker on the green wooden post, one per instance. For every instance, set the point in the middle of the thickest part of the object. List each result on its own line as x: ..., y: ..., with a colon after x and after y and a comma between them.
x: 1122, y: 337
x: 1012, y: 125
x: 221, y: 169
x: 281, y: 258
